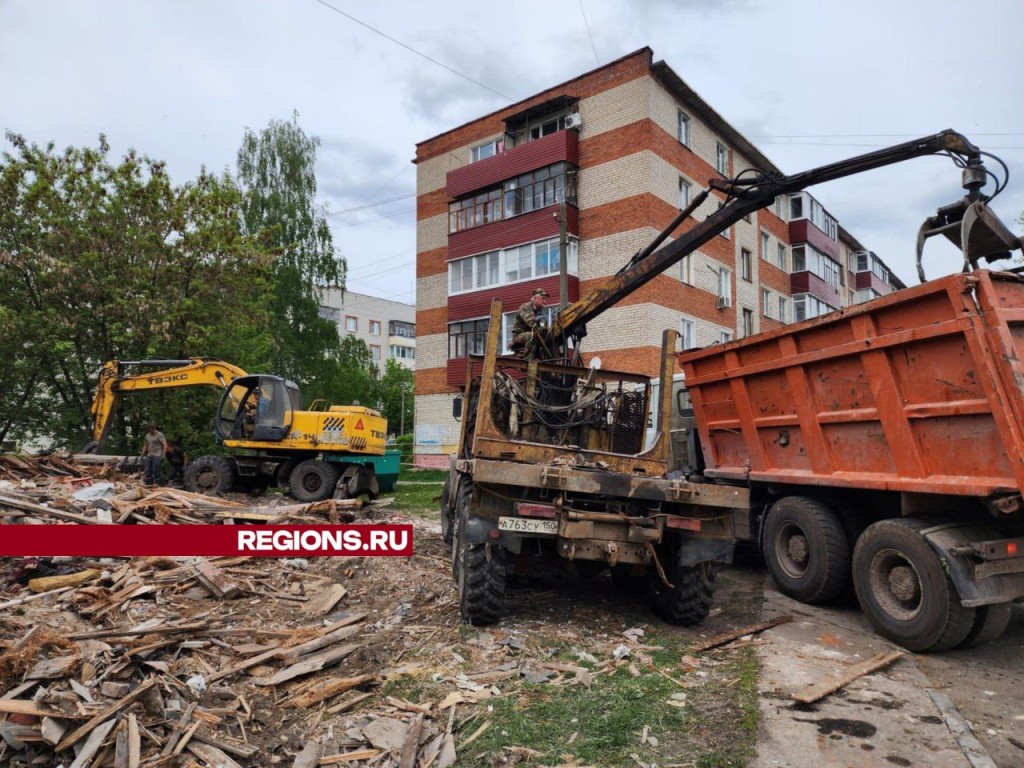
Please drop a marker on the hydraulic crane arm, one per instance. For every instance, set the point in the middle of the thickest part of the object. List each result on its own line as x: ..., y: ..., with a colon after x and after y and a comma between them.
x: 745, y: 194
x: 113, y: 383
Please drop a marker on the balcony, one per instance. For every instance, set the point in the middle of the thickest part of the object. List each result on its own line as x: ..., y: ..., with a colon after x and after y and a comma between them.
x: 808, y: 282
x: 871, y: 281
x: 554, y: 148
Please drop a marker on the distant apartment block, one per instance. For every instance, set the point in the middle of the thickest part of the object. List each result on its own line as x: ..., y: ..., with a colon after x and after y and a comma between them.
x: 624, y: 147
x: 387, y: 327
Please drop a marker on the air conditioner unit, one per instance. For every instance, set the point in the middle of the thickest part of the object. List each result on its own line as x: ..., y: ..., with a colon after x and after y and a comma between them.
x: 724, y: 302
x: 573, y: 120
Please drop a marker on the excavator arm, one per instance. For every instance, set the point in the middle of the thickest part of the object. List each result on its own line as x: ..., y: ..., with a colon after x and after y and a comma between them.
x: 750, y: 192
x: 113, y: 384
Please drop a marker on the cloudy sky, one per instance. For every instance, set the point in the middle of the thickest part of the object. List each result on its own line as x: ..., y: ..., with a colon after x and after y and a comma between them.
x: 809, y: 82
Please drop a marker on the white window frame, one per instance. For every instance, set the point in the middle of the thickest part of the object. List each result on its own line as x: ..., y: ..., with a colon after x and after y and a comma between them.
x: 725, y: 232
x: 686, y: 268
x: 766, y: 302
x: 724, y: 283
x: 721, y: 158
x: 352, y: 327
x: 374, y: 323
x: 684, y: 192
x: 725, y: 337
x: 479, y: 152
x: 783, y: 309
x: 683, y: 129
x: 504, y: 260
x: 746, y: 265
x: 780, y: 256
x: 747, y: 322
x: 766, y: 241
x: 688, y: 332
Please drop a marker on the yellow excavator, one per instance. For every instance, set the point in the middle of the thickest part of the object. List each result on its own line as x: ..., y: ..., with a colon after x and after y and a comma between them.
x: 336, y: 450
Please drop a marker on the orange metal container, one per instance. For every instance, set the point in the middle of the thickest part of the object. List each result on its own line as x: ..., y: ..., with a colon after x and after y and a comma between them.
x: 918, y: 391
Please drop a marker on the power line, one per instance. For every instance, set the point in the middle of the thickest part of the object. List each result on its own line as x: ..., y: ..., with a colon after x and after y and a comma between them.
x: 589, y: 34
x: 858, y: 135
x: 370, y: 221
x: 377, y: 264
x: 371, y: 205
x: 411, y: 49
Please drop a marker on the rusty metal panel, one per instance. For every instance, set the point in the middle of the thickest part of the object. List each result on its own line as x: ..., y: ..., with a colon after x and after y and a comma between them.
x: 919, y: 391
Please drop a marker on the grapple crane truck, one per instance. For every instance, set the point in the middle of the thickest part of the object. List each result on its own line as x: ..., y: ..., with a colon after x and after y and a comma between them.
x: 551, y: 457
x: 323, y: 451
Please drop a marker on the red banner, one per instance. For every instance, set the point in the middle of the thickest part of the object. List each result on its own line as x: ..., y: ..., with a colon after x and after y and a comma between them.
x: 205, y: 540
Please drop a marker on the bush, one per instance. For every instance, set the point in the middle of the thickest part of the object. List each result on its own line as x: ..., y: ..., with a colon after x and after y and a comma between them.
x: 404, y: 443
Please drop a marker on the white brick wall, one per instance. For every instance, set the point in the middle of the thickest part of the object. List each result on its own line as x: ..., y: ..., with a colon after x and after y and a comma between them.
x: 432, y: 174
x: 432, y: 351
x: 432, y: 291
x: 436, y: 431
x: 432, y: 233
x: 614, y: 180
x: 603, y: 256
x: 615, y: 107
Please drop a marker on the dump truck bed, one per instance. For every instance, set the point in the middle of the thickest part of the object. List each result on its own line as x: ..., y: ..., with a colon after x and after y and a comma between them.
x: 918, y: 391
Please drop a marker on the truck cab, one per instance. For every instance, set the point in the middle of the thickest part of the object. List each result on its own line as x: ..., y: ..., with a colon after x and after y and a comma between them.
x: 684, y: 443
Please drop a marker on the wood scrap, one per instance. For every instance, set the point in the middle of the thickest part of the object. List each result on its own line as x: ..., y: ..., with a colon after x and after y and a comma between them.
x: 92, y: 744
x: 48, y: 583
x: 728, y: 637
x: 350, y: 757
x: 216, y: 581
x: 832, y: 683
x: 330, y: 688
x: 113, y: 709
x: 410, y: 748
x: 212, y: 756
x: 309, y: 664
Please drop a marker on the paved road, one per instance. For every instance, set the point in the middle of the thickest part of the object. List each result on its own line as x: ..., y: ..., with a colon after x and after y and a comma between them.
x: 906, y: 715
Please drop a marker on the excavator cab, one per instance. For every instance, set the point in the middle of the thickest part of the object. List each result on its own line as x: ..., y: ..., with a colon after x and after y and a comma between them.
x: 257, y: 408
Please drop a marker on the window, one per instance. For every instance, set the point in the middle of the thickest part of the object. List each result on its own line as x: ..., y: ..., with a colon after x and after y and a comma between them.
x: 403, y: 353
x: 401, y: 328
x: 684, y: 129
x: 725, y: 336
x: 538, y: 189
x: 802, y: 205
x: 467, y: 338
x: 796, y: 207
x: 778, y: 206
x: 375, y: 352
x: 807, y: 258
x: 725, y: 232
x: 351, y: 324
x: 490, y: 149
x: 546, y: 126
x: 330, y: 313
x: 510, y: 265
x: 782, y: 309
x: 724, y: 287
x: 684, y: 192
x: 375, y: 327
x: 508, y: 319
x: 766, y: 302
x: 806, y: 306
x: 780, y: 256
x: 746, y: 269
x: 765, y: 242
x: 686, y: 269
x: 748, y: 322
x: 721, y: 159
x: 688, y: 333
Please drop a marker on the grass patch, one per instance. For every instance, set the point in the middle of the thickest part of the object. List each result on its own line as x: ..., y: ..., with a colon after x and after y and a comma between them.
x: 724, y: 714
x: 419, y: 491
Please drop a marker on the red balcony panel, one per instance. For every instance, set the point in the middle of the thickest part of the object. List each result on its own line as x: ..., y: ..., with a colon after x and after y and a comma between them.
x: 554, y: 148
x: 457, y: 368
x: 873, y: 281
x: 466, y: 306
x: 808, y: 282
x: 526, y: 228
x: 802, y: 231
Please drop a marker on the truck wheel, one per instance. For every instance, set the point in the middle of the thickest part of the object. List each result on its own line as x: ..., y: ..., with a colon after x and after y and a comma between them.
x: 481, y: 572
x: 210, y: 474
x: 904, y: 589
x: 446, y: 512
x: 689, y: 600
x: 462, y: 502
x: 807, y: 550
x: 989, y: 623
x: 313, y: 480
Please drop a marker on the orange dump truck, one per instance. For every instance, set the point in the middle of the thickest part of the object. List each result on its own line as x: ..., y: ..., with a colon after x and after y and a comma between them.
x: 882, y: 444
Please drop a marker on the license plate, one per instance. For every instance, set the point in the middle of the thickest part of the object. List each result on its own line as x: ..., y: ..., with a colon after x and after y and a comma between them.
x: 526, y: 525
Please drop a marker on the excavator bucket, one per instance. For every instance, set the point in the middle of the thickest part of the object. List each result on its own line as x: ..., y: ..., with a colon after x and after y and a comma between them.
x: 973, y: 228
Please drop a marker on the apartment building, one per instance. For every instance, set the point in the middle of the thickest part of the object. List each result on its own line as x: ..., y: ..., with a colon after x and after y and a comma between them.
x: 387, y: 327
x: 623, y: 147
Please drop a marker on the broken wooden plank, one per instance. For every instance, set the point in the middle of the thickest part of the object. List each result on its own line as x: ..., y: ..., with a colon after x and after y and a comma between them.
x: 139, y: 631
x: 30, y: 598
x: 326, y: 600
x: 50, y: 583
x: 113, y: 709
x: 237, y: 748
x: 823, y: 688
x: 310, y: 664
x: 728, y: 637
x: 215, y: 581
x: 319, y: 643
x: 53, y: 728
x: 38, y: 509
x: 349, y: 757
x: 210, y: 755
x: 25, y: 707
x: 93, y: 743
x: 134, y: 742
x: 51, y: 669
x: 411, y: 746
x: 329, y: 688
x: 346, y: 705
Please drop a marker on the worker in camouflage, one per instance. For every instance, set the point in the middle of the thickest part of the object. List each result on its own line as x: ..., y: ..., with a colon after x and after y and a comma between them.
x: 528, y: 328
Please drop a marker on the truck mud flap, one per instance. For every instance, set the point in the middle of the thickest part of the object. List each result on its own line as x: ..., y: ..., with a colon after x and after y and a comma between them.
x: 693, y: 551
x: 974, y: 591
x: 479, y: 531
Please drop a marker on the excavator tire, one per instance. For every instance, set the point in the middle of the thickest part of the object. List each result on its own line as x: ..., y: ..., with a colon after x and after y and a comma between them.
x: 313, y: 480
x: 210, y: 474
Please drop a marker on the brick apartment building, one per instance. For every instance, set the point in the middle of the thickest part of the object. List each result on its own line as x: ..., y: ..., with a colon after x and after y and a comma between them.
x: 624, y: 146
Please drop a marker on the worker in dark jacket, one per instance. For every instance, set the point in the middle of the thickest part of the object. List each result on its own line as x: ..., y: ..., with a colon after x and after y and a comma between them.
x: 528, y: 328
x: 178, y: 459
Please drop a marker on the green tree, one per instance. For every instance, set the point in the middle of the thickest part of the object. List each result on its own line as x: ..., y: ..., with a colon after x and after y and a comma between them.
x: 359, y: 381
x: 102, y: 260
x: 396, y: 380
x: 276, y: 170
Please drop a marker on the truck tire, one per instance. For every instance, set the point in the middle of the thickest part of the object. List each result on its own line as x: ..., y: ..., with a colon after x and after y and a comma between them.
x: 446, y: 511
x: 989, y: 623
x: 807, y: 550
x: 689, y: 600
x: 904, y: 589
x: 462, y: 502
x: 481, y: 571
x: 313, y: 480
x: 210, y: 474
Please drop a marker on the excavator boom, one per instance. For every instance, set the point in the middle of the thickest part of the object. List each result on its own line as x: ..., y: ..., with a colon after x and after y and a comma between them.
x: 113, y: 383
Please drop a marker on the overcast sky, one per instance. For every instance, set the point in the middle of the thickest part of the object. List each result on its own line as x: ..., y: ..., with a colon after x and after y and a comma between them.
x: 809, y: 82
